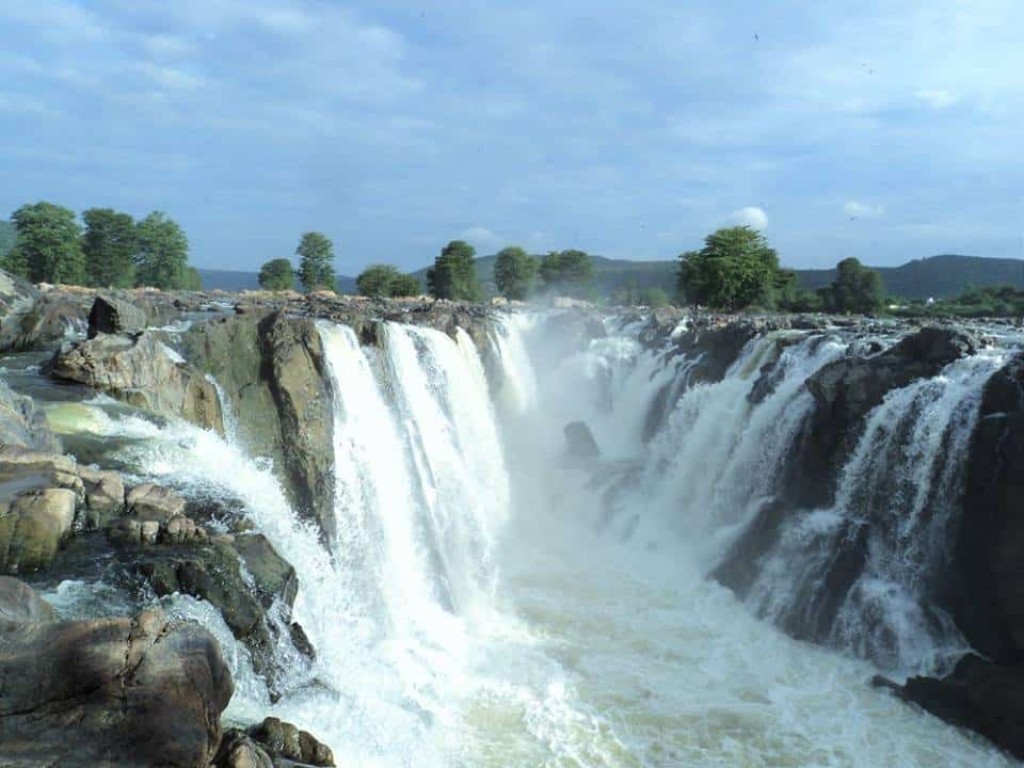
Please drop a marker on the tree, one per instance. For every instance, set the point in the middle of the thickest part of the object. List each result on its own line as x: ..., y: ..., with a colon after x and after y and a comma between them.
x: 191, y: 281
x: 47, y: 249
x: 277, y: 275
x: 406, y: 285
x: 454, y: 274
x: 161, y: 255
x: 109, y: 246
x: 569, y: 272
x: 733, y: 270
x: 856, y: 288
x: 377, y: 280
x: 316, y: 266
x: 514, y: 272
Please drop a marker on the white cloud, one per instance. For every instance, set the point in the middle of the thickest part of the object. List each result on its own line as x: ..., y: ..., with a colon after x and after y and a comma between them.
x: 751, y: 216
x: 481, y: 238
x: 856, y: 209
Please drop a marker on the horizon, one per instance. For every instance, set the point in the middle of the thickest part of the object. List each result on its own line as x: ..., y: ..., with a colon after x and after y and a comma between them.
x: 857, y: 130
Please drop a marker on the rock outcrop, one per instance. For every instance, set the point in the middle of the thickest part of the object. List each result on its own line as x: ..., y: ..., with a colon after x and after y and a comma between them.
x: 273, y: 743
x: 112, y: 315
x: 271, y: 368
x: 145, y: 691
x: 143, y: 371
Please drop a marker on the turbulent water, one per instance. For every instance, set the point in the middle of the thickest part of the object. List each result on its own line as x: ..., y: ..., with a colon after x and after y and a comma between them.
x: 488, y: 602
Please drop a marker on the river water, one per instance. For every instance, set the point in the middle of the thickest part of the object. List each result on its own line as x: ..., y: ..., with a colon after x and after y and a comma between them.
x: 484, y: 604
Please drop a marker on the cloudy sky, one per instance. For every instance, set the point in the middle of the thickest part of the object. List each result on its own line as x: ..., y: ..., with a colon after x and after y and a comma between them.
x: 869, y: 128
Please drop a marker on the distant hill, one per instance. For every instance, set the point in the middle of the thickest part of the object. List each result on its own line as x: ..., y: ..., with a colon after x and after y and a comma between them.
x: 7, y: 235
x: 938, y: 277
x: 229, y: 280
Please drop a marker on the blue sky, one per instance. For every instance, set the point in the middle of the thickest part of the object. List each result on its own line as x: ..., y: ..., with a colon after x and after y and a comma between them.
x: 882, y: 130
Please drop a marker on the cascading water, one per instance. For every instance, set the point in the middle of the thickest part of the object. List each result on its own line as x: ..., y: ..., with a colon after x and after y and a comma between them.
x: 478, y: 606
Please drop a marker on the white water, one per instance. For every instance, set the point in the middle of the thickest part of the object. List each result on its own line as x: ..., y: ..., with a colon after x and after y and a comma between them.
x: 473, y: 613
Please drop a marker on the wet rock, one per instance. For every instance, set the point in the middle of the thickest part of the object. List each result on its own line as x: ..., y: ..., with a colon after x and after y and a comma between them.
x: 141, y: 371
x: 104, y: 496
x: 149, y: 501
x: 110, y: 315
x: 19, y: 465
x: 284, y: 740
x: 238, y: 750
x: 33, y: 527
x: 986, y: 697
x: 24, y: 425
x: 273, y: 576
x: 988, y: 562
x: 146, y: 691
x: 579, y: 440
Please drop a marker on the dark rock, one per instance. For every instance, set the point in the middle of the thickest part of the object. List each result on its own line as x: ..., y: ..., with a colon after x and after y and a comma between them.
x: 284, y: 740
x: 145, y: 691
x: 273, y: 576
x: 110, y: 315
x: 580, y: 443
x: 23, y: 424
x: 988, y: 559
x: 986, y: 697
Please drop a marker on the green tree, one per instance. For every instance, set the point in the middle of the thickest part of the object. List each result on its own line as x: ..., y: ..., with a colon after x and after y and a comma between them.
x: 406, y: 285
x: 161, y: 255
x: 277, y: 275
x: 514, y: 272
x: 48, y: 247
x: 377, y: 280
x: 653, y: 297
x: 316, y: 265
x: 568, y: 272
x: 734, y: 269
x: 856, y: 288
x: 454, y: 274
x: 191, y: 281
x: 109, y: 246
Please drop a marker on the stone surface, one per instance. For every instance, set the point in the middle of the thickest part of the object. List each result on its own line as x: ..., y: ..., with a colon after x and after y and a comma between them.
x: 33, y: 527
x: 284, y: 740
x: 579, y: 441
x: 112, y: 315
x: 141, y: 371
x: 24, y: 425
x: 145, y: 691
x: 149, y: 501
x: 104, y: 496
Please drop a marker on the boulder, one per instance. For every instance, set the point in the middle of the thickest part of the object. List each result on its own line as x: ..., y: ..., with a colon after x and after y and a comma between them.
x: 142, y: 371
x: 110, y: 315
x: 149, y: 501
x: 104, y: 496
x: 24, y: 425
x: 981, y: 695
x: 284, y: 740
x: 19, y: 466
x: 145, y: 691
x: 31, y: 319
x: 33, y: 527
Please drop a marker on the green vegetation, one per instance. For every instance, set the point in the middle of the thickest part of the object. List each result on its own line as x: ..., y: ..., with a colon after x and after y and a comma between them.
x: 454, y: 274
x: 855, y: 289
x: 735, y: 269
x: 109, y: 245
x: 990, y: 301
x: 48, y: 248
x: 277, y: 275
x: 567, y: 272
x: 161, y: 256
x: 316, y: 265
x: 514, y: 272
x: 384, y: 280
x: 8, y: 234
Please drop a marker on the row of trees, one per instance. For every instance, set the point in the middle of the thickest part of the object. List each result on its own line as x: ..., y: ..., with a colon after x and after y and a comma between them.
x: 316, y: 266
x: 111, y: 251
x: 737, y: 269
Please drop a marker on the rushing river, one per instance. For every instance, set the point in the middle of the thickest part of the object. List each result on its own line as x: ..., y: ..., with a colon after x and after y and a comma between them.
x: 484, y: 604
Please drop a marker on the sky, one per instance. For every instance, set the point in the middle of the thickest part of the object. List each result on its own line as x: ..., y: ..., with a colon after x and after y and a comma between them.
x: 883, y: 130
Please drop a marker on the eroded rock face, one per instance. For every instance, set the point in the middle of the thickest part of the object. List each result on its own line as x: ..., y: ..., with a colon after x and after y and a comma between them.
x: 145, y: 691
x: 33, y: 528
x: 988, y: 570
x: 271, y: 369
x: 23, y: 424
x: 141, y: 371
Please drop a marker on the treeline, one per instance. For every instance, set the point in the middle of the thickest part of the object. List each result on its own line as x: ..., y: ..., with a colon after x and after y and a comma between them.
x: 989, y: 301
x: 109, y: 249
x: 737, y: 270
